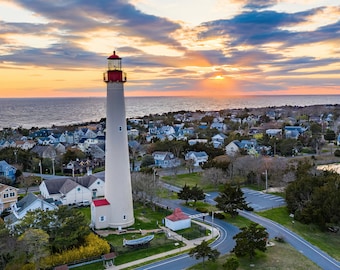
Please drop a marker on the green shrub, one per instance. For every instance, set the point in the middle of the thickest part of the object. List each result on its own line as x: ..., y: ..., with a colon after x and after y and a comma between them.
x: 94, y: 247
x: 202, y: 209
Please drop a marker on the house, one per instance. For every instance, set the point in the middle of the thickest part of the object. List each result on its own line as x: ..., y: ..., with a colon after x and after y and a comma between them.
x: 232, y: 148
x: 177, y: 220
x: 6, y: 143
x: 195, y: 141
x: 165, y: 159
x: 25, y: 144
x: 30, y: 202
x: 92, y: 183
x: 7, y: 171
x: 198, y: 157
x: 218, y: 140
x: 294, y: 131
x: 44, y: 151
x: 235, y: 146
x: 72, y: 190
x: 219, y: 126
x: 59, y: 148
x: 274, y: 132
x: 8, y: 196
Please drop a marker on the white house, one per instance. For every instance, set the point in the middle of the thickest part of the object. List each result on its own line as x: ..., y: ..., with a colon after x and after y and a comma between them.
x: 29, y: 203
x: 195, y: 141
x: 65, y: 190
x: 177, y: 220
x: 198, y: 157
x: 232, y: 148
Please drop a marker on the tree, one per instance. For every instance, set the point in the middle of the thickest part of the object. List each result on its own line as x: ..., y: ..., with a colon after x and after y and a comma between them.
x: 213, y: 176
x: 144, y: 186
x: 185, y: 194
x: 249, y: 240
x: 231, y: 199
x: 203, y: 251
x: 73, y: 154
x: 197, y: 194
x: 189, y: 164
x: 34, y: 242
x: 147, y: 160
x: 67, y: 227
x: 330, y: 135
x: 8, y: 245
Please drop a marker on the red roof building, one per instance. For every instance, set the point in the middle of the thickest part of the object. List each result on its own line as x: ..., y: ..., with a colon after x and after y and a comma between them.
x: 177, y: 220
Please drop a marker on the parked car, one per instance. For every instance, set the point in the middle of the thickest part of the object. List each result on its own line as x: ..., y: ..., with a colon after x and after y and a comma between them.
x: 84, y: 203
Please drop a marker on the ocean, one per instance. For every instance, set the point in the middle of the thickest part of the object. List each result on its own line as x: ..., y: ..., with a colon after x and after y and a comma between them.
x: 46, y: 112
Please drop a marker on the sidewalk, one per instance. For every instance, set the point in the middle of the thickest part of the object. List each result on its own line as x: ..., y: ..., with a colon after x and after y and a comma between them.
x: 189, y: 244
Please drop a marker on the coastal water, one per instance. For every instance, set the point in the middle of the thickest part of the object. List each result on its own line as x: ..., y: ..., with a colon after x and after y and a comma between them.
x: 45, y: 112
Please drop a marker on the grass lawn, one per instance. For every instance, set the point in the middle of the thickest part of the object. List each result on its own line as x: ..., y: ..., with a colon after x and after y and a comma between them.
x: 159, y: 244
x: 326, y: 241
x: 190, y: 179
x: 282, y: 256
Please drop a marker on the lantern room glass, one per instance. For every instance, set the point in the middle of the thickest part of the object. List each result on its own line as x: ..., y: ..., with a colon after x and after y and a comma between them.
x: 115, y: 64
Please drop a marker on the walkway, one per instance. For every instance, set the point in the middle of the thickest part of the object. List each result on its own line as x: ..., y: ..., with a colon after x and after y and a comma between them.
x: 189, y: 244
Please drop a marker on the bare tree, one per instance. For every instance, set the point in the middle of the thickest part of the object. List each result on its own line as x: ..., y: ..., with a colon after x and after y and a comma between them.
x: 190, y: 165
x: 213, y: 176
x: 144, y: 187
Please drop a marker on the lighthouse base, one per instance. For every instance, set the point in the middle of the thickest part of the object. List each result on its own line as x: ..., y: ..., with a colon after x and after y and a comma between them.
x: 121, y: 225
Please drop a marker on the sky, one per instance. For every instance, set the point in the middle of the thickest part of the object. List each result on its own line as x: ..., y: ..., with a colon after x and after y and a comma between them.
x: 170, y: 47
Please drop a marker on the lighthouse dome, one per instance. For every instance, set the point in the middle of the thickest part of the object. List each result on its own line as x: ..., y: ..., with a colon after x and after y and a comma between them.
x: 114, y: 56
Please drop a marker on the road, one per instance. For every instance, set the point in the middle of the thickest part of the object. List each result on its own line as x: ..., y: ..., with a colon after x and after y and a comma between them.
x: 311, y: 252
x: 225, y: 243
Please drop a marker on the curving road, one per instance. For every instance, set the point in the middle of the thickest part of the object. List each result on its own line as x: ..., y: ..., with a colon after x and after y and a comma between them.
x: 225, y: 243
x: 311, y: 252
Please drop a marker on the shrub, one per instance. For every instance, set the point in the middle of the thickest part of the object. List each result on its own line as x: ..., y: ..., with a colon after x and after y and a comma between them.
x: 219, y: 215
x: 232, y: 263
x: 202, y: 209
x: 94, y: 246
x: 337, y: 153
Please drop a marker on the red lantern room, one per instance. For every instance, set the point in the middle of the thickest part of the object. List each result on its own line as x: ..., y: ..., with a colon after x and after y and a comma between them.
x: 114, y: 72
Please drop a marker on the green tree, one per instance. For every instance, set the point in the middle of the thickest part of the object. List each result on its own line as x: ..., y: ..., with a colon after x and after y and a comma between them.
x: 315, y: 128
x: 231, y: 199
x: 73, y: 154
x: 330, y: 135
x: 286, y: 146
x: 67, y: 227
x: 249, y: 240
x: 204, y: 251
x: 197, y: 194
x: 185, y: 194
x: 147, y: 160
x: 8, y: 245
x: 315, y: 199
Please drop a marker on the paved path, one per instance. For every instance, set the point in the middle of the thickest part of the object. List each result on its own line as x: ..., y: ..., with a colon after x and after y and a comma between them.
x: 189, y: 244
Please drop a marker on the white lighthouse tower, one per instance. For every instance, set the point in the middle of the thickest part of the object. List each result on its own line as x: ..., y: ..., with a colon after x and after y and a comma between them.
x: 116, y: 210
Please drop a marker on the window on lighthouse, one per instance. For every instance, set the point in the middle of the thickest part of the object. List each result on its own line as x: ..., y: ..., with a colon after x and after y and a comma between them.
x: 120, y: 129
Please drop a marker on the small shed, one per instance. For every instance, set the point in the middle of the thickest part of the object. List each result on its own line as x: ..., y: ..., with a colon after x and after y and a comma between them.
x: 177, y: 220
x: 108, y: 259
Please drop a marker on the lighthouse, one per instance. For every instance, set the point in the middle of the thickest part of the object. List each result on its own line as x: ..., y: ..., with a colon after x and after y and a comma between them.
x: 116, y: 209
